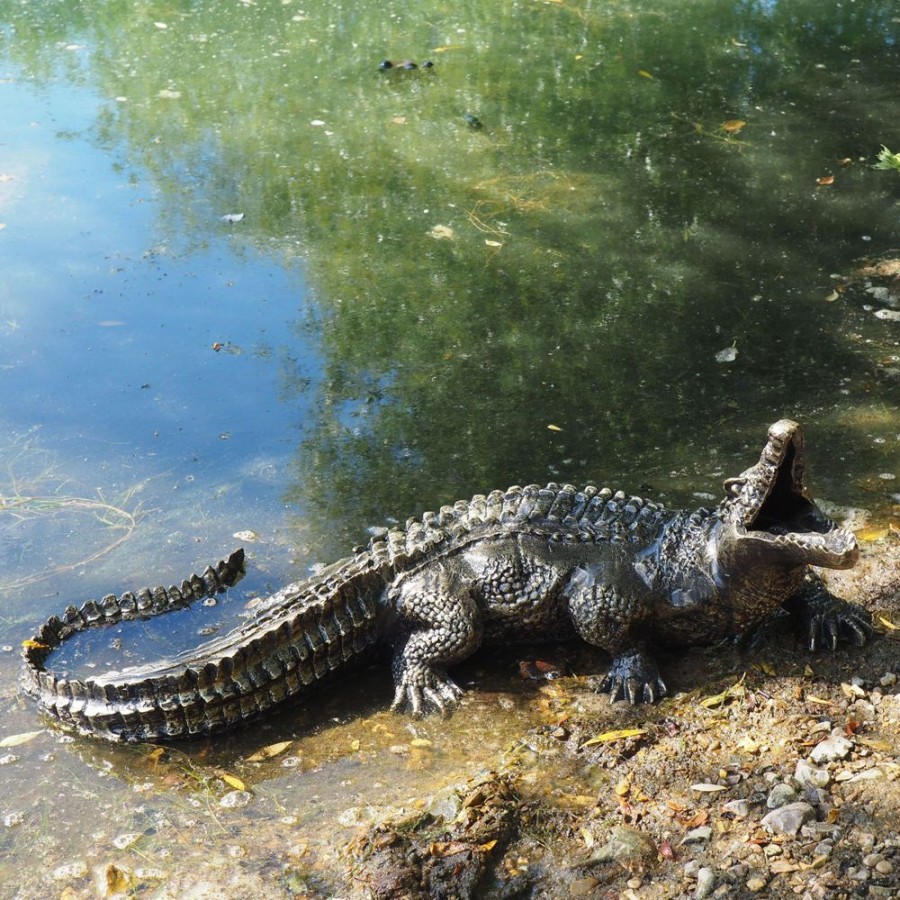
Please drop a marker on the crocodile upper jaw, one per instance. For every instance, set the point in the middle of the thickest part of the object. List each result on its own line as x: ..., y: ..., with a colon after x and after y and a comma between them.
x: 768, y: 507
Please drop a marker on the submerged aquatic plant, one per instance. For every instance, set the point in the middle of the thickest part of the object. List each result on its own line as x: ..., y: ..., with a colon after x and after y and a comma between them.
x: 887, y: 160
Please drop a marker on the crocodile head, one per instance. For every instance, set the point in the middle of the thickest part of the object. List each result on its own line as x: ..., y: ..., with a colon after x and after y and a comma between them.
x: 769, y: 516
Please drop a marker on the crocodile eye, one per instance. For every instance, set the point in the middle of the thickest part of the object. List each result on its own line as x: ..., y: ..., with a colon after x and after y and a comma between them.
x: 734, y: 485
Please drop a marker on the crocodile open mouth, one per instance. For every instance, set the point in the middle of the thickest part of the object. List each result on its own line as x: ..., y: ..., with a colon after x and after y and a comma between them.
x: 769, y: 503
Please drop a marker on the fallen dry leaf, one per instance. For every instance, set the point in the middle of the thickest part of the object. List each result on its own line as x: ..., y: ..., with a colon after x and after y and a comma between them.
x: 270, y: 751
x: 620, y: 735
x: 15, y: 740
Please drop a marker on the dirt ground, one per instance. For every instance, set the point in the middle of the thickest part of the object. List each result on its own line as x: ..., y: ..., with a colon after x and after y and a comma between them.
x: 770, y: 772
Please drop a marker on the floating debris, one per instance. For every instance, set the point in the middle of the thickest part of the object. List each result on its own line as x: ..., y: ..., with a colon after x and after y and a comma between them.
x: 406, y: 65
x: 729, y: 354
x: 441, y: 233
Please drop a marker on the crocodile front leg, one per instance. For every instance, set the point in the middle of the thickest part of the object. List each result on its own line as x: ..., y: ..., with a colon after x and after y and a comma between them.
x: 440, y: 625
x: 825, y: 620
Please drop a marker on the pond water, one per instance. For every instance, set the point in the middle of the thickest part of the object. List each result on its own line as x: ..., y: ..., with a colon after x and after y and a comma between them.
x: 251, y: 282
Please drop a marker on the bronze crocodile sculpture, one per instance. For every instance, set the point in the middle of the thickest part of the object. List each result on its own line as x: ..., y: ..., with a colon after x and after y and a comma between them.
x: 529, y: 563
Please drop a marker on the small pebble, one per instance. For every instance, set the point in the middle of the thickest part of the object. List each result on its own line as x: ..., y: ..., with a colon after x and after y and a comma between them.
x: 884, y: 867
x: 126, y: 840
x: 756, y: 884
x: 236, y: 799
x: 789, y: 819
x: 740, y: 809
x: 697, y: 835
x: 889, y: 679
x: 810, y: 776
x: 10, y: 820
x: 706, y: 883
x: 8, y: 758
x: 781, y: 795
x: 76, y: 869
x: 831, y: 749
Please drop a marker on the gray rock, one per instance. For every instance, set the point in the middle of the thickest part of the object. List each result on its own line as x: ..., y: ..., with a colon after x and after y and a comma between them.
x: 789, y: 819
x: 740, y: 809
x: 625, y: 844
x: 698, y: 835
x: 809, y: 776
x: 781, y: 795
x: 706, y: 883
x: 832, y: 748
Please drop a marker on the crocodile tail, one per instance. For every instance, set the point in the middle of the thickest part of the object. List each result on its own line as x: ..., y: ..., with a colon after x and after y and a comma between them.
x: 303, y: 634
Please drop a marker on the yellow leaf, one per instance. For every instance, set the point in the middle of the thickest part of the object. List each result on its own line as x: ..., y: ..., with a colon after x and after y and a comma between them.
x: 355, y: 744
x: 492, y: 243
x: 14, y: 740
x: 871, y: 533
x: 645, y: 74
x: 888, y: 623
x: 270, y: 751
x: 733, y: 126
x: 810, y: 698
x: 768, y: 668
x: 487, y: 846
x: 730, y: 693
x: 619, y: 735
x: 233, y: 781
x: 553, y: 428
x: 30, y: 644
x: 420, y: 742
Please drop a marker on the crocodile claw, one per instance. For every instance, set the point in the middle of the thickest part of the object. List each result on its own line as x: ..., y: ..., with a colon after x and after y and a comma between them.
x: 634, y: 677
x: 420, y: 688
x: 838, y: 622
x: 826, y: 620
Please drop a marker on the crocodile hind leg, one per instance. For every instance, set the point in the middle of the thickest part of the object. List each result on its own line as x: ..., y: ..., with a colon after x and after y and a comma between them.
x: 440, y: 625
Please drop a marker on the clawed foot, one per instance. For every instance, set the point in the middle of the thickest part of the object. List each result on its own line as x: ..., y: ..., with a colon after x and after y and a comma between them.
x: 829, y: 623
x: 825, y: 620
x: 420, y: 688
x: 633, y: 677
